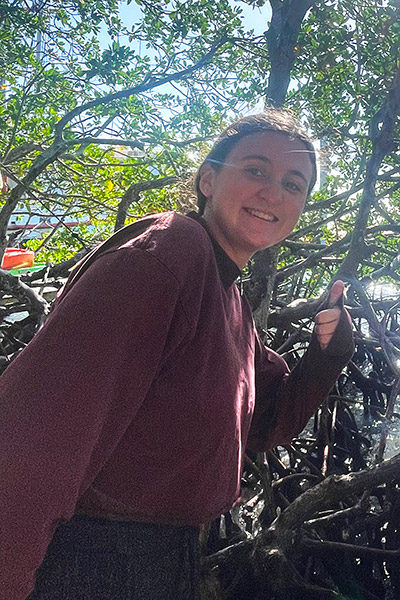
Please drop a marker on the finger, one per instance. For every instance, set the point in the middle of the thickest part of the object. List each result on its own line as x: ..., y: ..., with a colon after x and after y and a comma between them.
x: 336, y: 292
x: 325, y: 330
x: 325, y: 325
x: 328, y: 315
x: 328, y: 325
x: 324, y: 339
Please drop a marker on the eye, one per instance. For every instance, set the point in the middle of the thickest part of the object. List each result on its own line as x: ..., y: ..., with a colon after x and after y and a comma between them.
x: 255, y: 172
x: 293, y: 186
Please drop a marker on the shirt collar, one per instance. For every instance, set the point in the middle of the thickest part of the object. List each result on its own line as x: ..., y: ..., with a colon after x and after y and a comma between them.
x: 228, y: 270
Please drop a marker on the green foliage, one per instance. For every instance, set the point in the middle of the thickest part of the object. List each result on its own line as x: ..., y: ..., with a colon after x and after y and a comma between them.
x: 62, y: 246
x: 346, y: 57
x: 60, y: 58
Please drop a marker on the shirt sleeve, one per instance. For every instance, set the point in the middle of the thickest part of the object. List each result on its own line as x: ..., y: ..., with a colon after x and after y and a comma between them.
x: 66, y: 401
x: 285, y: 400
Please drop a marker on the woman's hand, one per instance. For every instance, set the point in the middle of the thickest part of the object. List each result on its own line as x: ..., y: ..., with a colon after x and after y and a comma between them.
x: 327, y: 320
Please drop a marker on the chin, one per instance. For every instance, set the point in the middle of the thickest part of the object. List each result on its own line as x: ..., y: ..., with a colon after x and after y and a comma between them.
x: 263, y: 245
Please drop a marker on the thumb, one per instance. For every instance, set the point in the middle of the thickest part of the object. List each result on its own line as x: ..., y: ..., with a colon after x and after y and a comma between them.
x: 336, y: 292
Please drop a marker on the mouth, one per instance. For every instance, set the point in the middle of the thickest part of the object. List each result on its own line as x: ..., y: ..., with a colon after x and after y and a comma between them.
x: 259, y: 214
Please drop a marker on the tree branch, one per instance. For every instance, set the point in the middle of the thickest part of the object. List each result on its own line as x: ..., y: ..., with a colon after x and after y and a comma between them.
x: 382, y: 144
x: 132, y: 194
x: 286, y: 20
x: 333, y: 490
x: 148, y: 83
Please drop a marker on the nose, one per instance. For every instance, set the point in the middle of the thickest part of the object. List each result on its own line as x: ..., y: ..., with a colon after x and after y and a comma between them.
x: 271, y: 190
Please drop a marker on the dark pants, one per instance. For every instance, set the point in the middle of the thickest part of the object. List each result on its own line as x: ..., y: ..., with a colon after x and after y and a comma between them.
x: 98, y: 559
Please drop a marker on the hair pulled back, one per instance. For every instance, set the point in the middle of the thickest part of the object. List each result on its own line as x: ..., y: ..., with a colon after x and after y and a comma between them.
x: 272, y: 119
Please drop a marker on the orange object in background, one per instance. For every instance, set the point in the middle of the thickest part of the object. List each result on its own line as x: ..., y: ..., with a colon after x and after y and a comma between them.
x: 15, y: 258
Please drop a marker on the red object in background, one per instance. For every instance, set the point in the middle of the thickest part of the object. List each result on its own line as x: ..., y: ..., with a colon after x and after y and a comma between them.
x: 3, y: 183
x: 15, y: 258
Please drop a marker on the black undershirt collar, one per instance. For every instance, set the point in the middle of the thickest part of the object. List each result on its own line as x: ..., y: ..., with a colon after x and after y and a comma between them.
x: 228, y: 269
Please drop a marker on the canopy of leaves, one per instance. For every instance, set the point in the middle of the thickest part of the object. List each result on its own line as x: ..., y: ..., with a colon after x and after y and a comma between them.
x: 91, y: 104
x: 347, y: 60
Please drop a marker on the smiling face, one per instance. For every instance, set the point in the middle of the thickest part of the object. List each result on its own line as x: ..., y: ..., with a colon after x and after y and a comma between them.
x: 256, y: 198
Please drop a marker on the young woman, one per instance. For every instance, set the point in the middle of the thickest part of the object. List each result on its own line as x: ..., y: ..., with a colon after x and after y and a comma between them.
x: 124, y: 422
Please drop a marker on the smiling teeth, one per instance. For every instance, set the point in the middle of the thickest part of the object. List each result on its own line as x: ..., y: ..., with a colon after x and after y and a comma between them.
x: 261, y: 215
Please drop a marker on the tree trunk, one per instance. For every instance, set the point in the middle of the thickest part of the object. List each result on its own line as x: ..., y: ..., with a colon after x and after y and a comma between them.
x: 286, y: 20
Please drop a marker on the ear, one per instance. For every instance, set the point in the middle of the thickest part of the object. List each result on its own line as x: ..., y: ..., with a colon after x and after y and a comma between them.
x: 206, y: 180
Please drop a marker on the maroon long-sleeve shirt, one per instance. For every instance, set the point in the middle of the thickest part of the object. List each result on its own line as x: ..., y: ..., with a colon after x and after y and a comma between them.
x: 135, y: 400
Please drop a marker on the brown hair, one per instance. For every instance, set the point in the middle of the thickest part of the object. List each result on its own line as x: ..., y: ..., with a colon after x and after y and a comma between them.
x: 272, y: 119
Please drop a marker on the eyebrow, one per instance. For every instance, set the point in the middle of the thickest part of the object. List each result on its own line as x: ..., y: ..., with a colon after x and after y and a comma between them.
x: 267, y: 160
